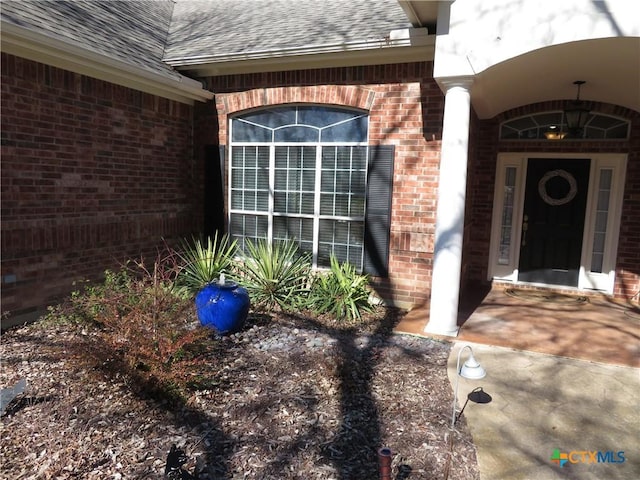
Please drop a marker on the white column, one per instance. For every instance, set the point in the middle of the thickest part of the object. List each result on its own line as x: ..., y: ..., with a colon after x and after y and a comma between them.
x: 447, y: 254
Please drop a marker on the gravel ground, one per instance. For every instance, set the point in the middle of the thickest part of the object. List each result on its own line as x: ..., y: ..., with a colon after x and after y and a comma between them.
x: 289, y: 397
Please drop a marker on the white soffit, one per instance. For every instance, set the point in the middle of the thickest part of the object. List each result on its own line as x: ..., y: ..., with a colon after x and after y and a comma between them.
x: 421, y: 13
x: 74, y: 57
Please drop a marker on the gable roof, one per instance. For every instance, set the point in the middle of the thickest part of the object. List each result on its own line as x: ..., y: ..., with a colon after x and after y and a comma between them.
x: 134, y: 32
x: 118, y: 41
x: 152, y: 45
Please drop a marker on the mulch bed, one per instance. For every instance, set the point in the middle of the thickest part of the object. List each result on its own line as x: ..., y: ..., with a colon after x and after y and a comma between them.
x: 289, y: 397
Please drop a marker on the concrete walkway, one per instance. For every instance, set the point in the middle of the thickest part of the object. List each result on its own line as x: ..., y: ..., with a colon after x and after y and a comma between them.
x: 540, y: 403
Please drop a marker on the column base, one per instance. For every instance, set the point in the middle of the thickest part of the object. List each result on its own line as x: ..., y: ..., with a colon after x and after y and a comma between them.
x: 438, y: 330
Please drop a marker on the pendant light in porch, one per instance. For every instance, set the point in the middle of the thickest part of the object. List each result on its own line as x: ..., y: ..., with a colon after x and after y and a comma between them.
x: 576, y: 113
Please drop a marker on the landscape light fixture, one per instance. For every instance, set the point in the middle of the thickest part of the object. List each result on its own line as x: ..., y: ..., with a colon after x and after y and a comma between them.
x: 471, y: 370
x: 576, y: 114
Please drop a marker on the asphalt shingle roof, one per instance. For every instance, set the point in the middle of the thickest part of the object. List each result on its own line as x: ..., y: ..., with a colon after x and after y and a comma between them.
x: 144, y: 32
x: 131, y: 31
x: 218, y: 27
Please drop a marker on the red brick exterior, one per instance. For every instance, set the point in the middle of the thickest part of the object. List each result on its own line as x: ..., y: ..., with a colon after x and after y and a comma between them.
x: 482, y: 170
x: 405, y: 109
x: 92, y: 173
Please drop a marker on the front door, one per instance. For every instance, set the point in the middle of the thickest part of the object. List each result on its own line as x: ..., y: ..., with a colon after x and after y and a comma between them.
x: 553, y: 220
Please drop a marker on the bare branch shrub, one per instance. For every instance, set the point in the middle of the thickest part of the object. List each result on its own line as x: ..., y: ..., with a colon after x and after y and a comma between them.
x: 144, y: 322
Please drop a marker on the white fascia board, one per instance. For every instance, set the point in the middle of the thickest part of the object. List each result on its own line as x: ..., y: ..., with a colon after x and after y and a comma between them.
x: 304, y: 62
x: 72, y: 56
x: 410, y: 12
x: 404, y: 45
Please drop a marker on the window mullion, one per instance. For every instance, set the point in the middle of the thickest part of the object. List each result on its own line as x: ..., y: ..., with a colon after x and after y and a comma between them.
x: 316, y: 205
x: 272, y: 180
x: 350, y: 195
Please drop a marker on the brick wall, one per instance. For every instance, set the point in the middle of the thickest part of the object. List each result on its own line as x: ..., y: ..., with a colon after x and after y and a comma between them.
x: 628, y: 261
x: 92, y: 173
x: 405, y: 107
x: 482, y: 170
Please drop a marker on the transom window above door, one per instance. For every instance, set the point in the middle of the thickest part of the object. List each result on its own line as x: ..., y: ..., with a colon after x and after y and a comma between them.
x: 301, y: 172
x: 553, y: 126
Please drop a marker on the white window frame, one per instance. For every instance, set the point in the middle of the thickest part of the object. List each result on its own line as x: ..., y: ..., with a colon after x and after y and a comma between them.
x: 587, y: 280
x: 316, y: 216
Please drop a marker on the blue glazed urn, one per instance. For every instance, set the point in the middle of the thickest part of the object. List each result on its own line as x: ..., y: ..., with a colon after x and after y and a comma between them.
x: 223, y: 306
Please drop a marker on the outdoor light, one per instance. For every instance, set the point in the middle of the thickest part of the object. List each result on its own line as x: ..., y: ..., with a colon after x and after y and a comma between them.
x: 576, y: 114
x: 471, y: 370
x: 554, y: 133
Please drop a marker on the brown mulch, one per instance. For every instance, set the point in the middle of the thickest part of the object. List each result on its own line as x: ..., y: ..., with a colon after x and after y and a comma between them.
x: 289, y: 397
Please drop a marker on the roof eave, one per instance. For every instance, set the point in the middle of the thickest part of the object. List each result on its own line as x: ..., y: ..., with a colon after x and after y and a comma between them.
x: 69, y: 55
x: 400, y: 46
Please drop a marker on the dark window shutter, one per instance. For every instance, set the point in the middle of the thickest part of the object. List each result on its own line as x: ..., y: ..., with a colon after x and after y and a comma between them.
x: 377, y: 228
x: 221, y: 156
x: 214, y: 220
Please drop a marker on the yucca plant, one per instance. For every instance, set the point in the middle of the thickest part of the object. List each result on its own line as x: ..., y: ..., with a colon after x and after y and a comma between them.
x: 341, y: 292
x: 275, y: 275
x: 204, y: 262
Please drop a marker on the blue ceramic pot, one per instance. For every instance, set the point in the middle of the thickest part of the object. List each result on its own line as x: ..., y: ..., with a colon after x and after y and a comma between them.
x: 223, y: 307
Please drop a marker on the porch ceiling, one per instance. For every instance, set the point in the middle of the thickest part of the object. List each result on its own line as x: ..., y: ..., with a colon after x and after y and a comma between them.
x: 610, y: 66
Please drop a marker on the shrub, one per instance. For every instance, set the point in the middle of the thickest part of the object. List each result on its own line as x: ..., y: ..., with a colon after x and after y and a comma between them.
x: 275, y: 275
x: 341, y: 292
x: 144, y: 323
x: 203, y: 263
x: 87, y: 305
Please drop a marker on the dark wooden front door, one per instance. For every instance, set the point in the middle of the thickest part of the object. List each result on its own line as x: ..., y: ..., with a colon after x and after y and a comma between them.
x: 553, y: 220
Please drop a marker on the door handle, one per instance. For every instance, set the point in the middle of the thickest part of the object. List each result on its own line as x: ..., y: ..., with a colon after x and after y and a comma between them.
x: 525, y: 227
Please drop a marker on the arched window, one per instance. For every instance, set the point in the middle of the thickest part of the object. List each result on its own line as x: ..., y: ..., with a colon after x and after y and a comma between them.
x: 552, y: 126
x: 303, y: 172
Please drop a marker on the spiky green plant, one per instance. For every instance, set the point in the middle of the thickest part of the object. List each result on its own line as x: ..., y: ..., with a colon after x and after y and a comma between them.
x: 342, y: 292
x: 204, y: 262
x: 275, y: 275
